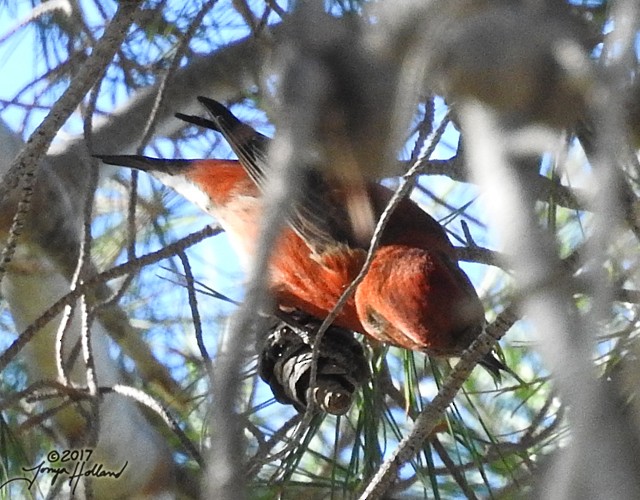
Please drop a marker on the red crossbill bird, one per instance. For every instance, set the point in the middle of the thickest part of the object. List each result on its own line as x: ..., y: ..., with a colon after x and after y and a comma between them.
x: 414, y: 296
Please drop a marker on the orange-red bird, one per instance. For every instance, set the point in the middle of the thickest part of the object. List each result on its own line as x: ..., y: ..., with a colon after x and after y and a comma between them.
x: 414, y: 296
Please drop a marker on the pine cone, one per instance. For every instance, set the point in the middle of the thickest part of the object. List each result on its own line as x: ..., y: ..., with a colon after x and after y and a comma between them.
x: 285, y: 364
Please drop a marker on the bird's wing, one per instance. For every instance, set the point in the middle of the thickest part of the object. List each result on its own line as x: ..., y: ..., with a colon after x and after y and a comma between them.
x: 319, y: 216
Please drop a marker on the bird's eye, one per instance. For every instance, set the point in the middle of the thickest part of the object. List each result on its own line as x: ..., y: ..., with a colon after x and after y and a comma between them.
x: 376, y: 320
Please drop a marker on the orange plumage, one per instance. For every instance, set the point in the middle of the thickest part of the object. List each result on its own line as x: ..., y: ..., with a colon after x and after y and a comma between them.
x: 414, y: 296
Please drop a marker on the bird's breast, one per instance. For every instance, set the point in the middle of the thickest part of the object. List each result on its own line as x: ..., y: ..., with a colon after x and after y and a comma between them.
x: 314, y: 283
x: 299, y: 278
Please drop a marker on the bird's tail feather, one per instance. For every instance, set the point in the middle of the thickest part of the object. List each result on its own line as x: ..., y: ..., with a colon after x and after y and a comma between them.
x: 147, y: 164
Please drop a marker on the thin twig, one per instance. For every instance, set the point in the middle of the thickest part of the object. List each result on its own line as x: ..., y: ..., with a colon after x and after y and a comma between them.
x: 36, y: 12
x: 35, y: 393
x: 195, y: 314
x: 431, y: 415
x: 146, y: 400
x: 452, y: 468
x: 173, y: 67
x: 24, y: 166
x: 262, y: 456
x: 115, y: 272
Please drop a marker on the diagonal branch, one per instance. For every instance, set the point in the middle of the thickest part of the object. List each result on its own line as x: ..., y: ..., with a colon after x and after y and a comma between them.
x: 428, y: 419
x: 107, y: 275
x: 23, y: 170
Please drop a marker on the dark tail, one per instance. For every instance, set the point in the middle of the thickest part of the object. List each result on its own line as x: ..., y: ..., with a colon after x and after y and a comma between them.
x: 236, y: 132
x: 146, y: 164
x: 249, y: 145
x: 221, y: 114
x: 198, y: 120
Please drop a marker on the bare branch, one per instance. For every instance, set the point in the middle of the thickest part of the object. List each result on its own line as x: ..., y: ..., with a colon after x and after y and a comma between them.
x: 85, y: 287
x: 431, y: 415
x: 25, y: 164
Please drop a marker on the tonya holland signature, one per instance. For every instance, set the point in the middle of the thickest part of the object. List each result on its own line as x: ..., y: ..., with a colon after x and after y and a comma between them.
x: 75, y: 467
